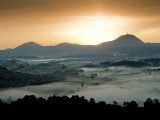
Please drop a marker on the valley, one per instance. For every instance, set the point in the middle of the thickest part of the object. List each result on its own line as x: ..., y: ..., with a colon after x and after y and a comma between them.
x: 107, y: 72
x: 68, y: 77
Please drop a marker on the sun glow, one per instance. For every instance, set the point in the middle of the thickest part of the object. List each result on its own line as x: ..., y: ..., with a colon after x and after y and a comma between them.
x: 91, y: 30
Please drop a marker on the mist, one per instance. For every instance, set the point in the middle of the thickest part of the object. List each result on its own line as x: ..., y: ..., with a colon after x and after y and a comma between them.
x: 108, y: 84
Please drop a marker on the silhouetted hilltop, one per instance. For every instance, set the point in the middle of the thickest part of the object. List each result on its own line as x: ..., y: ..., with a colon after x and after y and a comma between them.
x: 27, y: 49
x: 125, y: 44
x: 66, y: 44
x: 8, y: 49
x: 29, y: 44
x: 127, y: 40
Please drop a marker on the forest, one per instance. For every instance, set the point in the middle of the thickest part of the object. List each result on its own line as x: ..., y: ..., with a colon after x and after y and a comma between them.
x: 58, y: 106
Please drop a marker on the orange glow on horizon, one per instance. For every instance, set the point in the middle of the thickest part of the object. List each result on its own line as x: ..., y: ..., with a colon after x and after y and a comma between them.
x: 84, y: 30
x: 90, y: 30
x: 86, y: 22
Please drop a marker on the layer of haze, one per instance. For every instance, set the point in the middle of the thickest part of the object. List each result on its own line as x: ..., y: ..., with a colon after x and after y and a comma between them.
x: 117, y: 83
x: 50, y: 22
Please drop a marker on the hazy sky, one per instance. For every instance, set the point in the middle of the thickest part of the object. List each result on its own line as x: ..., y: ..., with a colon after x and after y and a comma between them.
x: 49, y: 22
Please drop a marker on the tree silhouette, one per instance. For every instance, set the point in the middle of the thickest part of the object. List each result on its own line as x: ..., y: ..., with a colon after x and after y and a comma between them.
x: 76, y: 104
x: 148, y: 103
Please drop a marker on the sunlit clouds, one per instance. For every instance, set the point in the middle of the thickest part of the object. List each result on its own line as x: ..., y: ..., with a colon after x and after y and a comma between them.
x: 51, y: 22
x: 91, y: 29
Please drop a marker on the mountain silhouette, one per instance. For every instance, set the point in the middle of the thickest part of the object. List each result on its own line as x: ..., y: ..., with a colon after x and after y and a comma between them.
x: 26, y: 49
x: 29, y: 44
x: 66, y: 44
x: 127, y: 40
x: 125, y: 44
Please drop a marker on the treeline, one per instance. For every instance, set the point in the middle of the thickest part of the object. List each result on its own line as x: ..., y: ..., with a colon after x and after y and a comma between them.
x: 9, y: 78
x: 133, y: 63
x: 12, y: 64
x: 126, y: 63
x: 76, y: 107
x: 75, y: 103
x: 12, y: 78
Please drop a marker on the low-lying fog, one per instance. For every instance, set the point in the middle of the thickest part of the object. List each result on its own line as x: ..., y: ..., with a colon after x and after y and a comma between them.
x: 111, y: 84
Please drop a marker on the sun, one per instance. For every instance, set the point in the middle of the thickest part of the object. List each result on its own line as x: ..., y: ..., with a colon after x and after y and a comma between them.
x: 91, y: 30
x: 96, y: 42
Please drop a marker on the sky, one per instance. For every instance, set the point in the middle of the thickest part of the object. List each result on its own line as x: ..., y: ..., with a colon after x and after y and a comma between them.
x: 50, y: 22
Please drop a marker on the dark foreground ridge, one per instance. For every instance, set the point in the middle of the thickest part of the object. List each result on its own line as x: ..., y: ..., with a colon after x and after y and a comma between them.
x: 30, y: 105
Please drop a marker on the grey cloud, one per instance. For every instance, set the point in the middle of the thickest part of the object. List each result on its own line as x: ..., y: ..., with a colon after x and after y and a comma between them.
x: 83, y: 7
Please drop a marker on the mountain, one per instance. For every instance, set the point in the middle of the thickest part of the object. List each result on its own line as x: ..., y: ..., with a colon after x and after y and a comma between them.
x: 125, y: 44
x: 8, y: 49
x: 29, y: 44
x: 127, y: 40
x: 26, y: 49
x: 66, y: 44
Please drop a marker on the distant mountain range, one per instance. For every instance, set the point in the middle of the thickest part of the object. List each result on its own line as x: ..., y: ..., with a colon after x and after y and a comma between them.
x: 124, y: 41
x: 124, y: 44
x: 29, y: 44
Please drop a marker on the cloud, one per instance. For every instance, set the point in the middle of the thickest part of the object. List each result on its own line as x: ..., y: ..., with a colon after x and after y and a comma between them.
x: 25, y: 12
x: 81, y: 7
x: 23, y: 20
